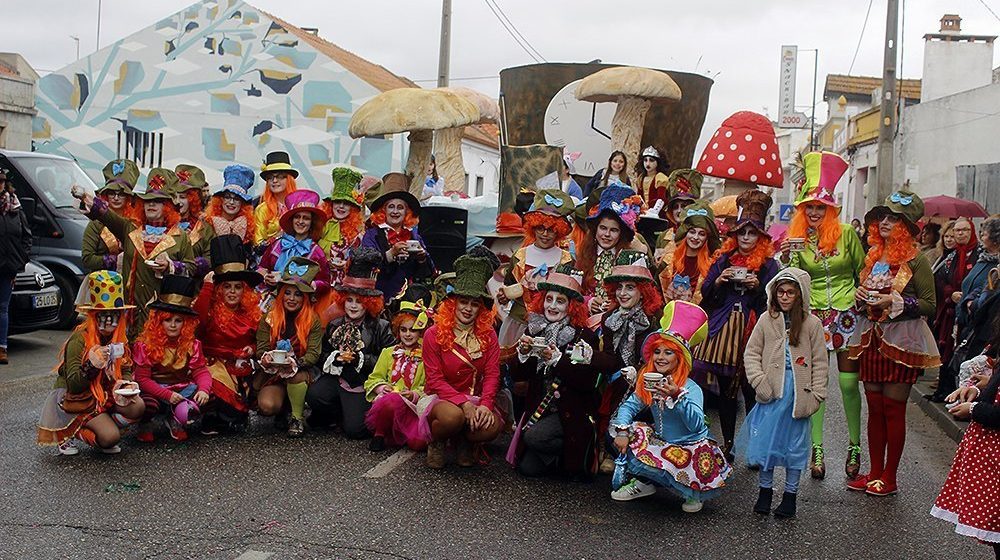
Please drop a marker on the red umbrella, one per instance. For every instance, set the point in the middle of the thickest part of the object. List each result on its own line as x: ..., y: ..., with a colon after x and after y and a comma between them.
x: 951, y: 207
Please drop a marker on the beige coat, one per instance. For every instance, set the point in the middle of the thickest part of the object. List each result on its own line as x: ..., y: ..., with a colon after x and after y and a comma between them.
x: 765, y: 355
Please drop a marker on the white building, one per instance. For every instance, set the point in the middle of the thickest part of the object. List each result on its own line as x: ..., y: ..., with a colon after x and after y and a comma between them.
x: 17, y: 102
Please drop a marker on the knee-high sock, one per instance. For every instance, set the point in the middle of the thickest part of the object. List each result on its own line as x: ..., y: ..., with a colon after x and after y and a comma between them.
x: 895, y: 421
x: 816, y: 421
x: 727, y: 417
x: 851, y: 393
x: 297, y: 398
x: 876, y: 434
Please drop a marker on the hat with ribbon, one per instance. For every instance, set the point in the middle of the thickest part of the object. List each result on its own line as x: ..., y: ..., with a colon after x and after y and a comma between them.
x: 630, y: 266
x: 120, y: 175
x: 751, y: 208
x: 361, y: 273
x: 190, y: 177
x: 684, y: 184
x: 552, y: 202
x: 229, y: 262
x: 346, y: 181
x: 419, y: 311
x: 699, y: 215
x: 684, y: 323
x: 902, y: 203
x: 300, y: 273
x: 621, y: 203
x: 564, y: 279
x: 302, y: 200
x: 394, y: 185
x: 277, y: 161
x: 471, y: 276
x: 176, y: 295
x: 822, y: 172
x: 237, y: 179
x: 160, y: 183
x: 508, y: 224
x: 102, y: 290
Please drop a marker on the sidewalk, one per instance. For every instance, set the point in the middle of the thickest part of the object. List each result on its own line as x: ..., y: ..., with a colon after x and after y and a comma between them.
x: 952, y: 428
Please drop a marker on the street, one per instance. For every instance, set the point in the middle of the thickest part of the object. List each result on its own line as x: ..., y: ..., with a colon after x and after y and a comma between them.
x: 262, y: 495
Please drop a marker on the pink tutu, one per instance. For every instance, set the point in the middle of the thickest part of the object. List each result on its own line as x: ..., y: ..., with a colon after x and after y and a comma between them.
x: 400, y: 421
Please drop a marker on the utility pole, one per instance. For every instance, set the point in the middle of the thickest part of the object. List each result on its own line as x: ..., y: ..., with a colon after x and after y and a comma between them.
x: 98, y: 24
x: 444, y: 54
x: 887, y: 127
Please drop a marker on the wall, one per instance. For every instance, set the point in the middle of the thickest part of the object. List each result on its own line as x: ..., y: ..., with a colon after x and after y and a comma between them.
x: 952, y: 66
x: 853, y: 188
x: 17, y: 108
x: 484, y: 162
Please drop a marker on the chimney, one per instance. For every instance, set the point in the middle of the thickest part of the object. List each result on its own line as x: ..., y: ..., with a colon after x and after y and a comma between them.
x: 951, y: 23
x: 955, y: 62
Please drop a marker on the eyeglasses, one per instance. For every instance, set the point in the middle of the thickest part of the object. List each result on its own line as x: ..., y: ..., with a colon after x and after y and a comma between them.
x: 790, y: 292
x: 545, y: 229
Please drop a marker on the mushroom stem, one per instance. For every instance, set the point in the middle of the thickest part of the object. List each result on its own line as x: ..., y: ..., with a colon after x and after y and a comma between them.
x: 448, y: 156
x: 417, y: 160
x: 626, y: 126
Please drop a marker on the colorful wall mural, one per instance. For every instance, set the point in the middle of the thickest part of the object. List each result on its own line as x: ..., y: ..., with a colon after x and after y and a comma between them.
x: 222, y: 83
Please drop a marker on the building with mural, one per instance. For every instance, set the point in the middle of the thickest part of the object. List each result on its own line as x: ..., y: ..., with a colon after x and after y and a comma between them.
x: 222, y: 82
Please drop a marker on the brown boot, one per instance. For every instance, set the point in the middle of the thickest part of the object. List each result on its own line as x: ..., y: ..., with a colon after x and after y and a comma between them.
x: 435, y: 455
x: 465, y: 456
x: 3, y: 356
x: 817, y: 465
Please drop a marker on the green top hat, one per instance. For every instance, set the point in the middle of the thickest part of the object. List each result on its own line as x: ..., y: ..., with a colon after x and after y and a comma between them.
x: 471, y: 276
x: 345, y: 186
x: 630, y: 266
x: 189, y: 177
x: 565, y: 280
x: 300, y: 273
x: 903, y: 203
x: 160, y: 183
x: 120, y: 175
x: 699, y: 214
x: 552, y: 202
x: 684, y: 183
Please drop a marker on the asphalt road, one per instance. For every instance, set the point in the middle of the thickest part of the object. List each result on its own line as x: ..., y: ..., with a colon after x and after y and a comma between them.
x: 261, y: 495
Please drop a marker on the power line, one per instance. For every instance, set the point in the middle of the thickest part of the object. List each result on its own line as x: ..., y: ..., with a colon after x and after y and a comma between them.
x: 862, y: 36
x: 511, y: 32
x: 464, y: 79
x: 516, y: 30
x: 989, y: 9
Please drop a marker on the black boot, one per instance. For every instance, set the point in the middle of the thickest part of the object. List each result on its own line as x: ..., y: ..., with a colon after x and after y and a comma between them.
x: 763, y: 505
x: 787, y: 506
x: 376, y: 444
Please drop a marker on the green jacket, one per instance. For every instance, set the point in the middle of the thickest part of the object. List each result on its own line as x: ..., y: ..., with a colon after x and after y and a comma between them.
x: 383, y: 371
x: 71, y: 375
x: 98, y: 242
x: 835, y: 278
x: 312, y: 352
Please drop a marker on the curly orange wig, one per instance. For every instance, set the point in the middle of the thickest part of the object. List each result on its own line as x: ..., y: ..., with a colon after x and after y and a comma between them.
x: 270, y: 201
x: 409, y: 221
x: 445, y: 319
x: 679, y: 375
x: 898, y: 249
x: 704, y: 258
x: 132, y: 210
x: 154, y: 338
x: 373, y: 304
x: 398, y: 321
x: 533, y: 220
x: 246, y: 210
x: 652, y: 299
x: 304, y: 320
x: 195, y: 205
x: 577, y: 311
x: 170, y: 216
x: 760, y: 254
x: 828, y: 232
x: 350, y: 227
x: 91, y: 338
x: 223, y: 318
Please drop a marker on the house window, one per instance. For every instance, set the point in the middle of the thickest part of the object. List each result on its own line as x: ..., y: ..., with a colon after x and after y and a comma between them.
x: 3, y: 136
x: 479, y: 186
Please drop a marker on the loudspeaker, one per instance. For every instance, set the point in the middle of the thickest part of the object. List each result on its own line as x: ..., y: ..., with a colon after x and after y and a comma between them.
x: 444, y: 229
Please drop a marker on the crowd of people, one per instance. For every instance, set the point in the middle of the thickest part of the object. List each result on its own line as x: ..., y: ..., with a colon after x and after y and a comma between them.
x: 595, y: 347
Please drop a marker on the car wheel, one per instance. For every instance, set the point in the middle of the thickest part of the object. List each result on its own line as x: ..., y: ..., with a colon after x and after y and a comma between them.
x: 68, y: 314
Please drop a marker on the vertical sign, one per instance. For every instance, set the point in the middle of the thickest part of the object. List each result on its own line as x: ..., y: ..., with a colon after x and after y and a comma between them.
x: 787, y: 116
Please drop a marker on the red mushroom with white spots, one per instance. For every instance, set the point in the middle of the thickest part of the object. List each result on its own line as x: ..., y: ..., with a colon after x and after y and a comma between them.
x: 744, y: 148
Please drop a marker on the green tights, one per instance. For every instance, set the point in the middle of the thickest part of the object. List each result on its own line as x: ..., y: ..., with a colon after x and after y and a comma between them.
x: 851, y: 394
x: 297, y: 398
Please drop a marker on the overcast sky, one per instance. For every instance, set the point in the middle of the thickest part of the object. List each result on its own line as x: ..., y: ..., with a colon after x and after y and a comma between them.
x: 735, y: 41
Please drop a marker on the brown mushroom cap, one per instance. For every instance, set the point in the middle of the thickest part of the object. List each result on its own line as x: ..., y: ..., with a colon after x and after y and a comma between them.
x: 608, y: 85
x: 489, y: 110
x: 408, y: 109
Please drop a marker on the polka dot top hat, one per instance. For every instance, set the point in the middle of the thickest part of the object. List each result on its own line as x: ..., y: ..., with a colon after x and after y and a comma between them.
x: 102, y: 290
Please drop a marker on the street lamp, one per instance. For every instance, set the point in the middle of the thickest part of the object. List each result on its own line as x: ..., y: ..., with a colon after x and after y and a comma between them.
x: 77, y: 39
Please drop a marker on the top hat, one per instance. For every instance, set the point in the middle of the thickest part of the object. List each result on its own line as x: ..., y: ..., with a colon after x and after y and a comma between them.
x: 160, y: 183
x: 508, y: 224
x: 394, y: 185
x: 751, y: 208
x: 120, y: 175
x: 102, y: 290
x: 684, y: 184
x: 565, y: 280
x: 903, y: 203
x: 471, y: 275
x: 346, y: 181
x: 176, y: 295
x: 302, y: 200
x: 277, y: 161
x: 684, y: 323
x: 823, y: 170
x: 552, y: 202
x: 362, y: 272
x: 699, y: 214
x: 229, y: 261
x: 630, y: 266
x: 190, y: 177
x: 237, y: 179
x: 621, y: 203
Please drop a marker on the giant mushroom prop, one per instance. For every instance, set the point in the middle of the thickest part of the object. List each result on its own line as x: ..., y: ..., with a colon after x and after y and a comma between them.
x: 635, y: 90
x: 448, y: 142
x: 744, y: 149
x: 417, y: 111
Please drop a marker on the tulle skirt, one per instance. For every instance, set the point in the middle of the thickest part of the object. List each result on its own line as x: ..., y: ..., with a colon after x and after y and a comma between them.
x: 56, y: 426
x: 770, y: 437
x: 400, y: 421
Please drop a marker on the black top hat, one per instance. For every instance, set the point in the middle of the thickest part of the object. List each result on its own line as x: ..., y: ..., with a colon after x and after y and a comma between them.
x: 362, y: 273
x: 278, y: 161
x: 229, y: 261
x: 176, y: 295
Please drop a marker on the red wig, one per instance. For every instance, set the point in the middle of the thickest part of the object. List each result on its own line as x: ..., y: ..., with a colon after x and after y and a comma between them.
x: 445, y: 319
x: 898, y: 249
x: 578, y: 312
x: 170, y: 216
x: 373, y: 304
x: 225, y: 319
x: 409, y: 221
x: 246, y: 210
x: 350, y: 227
x: 761, y: 252
x: 652, y: 299
x: 533, y: 220
x: 398, y: 321
x: 154, y: 337
x: 828, y: 231
x: 194, y: 203
x: 704, y: 258
x: 91, y: 338
x: 270, y: 200
x: 304, y: 320
x: 679, y: 375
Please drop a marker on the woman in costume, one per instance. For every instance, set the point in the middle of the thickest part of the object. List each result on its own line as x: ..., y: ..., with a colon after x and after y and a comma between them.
x: 187, y: 194
x: 787, y: 366
x: 609, y: 230
x: 557, y: 434
x: 697, y: 239
x: 393, y: 232
x: 94, y: 397
x: 345, y: 221
x: 230, y: 211
x: 733, y: 295
x: 152, y: 248
x: 948, y: 293
x: 279, y: 182
x: 616, y: 172
x: 683, y: 189
x: 301, y: 226
x: 651, y: 178
x: 170, y: 367
x: 462, y: 366
x: 229, y: 312
x: 676, y: 452
x: 351, y: 347
x: 101, y: 250
x: 289, y: 341
x: 892, y: 339
x: 831, y: 252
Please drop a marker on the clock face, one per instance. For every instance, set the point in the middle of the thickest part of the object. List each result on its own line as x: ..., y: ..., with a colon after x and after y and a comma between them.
x: 580, y: 127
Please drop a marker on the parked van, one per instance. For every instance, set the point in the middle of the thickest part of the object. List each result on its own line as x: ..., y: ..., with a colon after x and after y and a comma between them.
x: 43, y: 183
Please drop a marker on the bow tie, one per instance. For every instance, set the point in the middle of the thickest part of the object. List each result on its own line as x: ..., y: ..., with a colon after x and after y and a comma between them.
x: 155, y: 230
x: 297, y: 270
x: 185, y: 226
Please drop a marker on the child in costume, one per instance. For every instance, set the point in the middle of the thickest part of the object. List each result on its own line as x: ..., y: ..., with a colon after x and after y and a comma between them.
x: 170, y: 367
x: 187, y: 194
x: 101, y: 250
x: 352, y: 344
x: 279, y: 182
x: 301, y: 226
x: 651, y: 178
x: 786, y: 363
x: 289, y: 341
x: 345, y: 221
x: 94, y: 396
x: 230, y: 211
x: 676, y: 451
x: 697, y: 239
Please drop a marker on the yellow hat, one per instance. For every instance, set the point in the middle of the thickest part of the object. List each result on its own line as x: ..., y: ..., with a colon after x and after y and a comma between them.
x: 102, y: 290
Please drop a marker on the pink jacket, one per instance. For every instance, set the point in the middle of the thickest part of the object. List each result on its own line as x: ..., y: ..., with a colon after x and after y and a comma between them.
x: 152, y: 377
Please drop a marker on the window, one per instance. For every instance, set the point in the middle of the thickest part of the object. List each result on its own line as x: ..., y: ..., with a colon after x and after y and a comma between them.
x: 479, y: 187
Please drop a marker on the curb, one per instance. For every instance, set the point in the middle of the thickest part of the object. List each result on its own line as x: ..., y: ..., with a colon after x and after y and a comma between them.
x: 953, y: 428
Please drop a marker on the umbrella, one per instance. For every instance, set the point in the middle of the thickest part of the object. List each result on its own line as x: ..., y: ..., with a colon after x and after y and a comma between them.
x: 725, y: 206
x: 951, y: 207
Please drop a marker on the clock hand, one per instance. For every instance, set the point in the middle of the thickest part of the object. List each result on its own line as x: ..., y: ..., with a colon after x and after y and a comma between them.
x: 593, y: 120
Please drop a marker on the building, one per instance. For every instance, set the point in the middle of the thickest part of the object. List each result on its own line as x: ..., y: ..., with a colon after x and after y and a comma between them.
x: 223, y: 82
x: 17, y: 102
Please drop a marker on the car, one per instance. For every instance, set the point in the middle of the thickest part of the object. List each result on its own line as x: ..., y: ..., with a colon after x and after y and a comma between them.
x: 42, y: 183
x: 36, y: 300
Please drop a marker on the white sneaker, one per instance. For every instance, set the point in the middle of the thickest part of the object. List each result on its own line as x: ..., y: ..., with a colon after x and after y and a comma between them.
x: 633, y: 490
x: 692, y: 506
x: 68, y: 448
x: 113, y: 450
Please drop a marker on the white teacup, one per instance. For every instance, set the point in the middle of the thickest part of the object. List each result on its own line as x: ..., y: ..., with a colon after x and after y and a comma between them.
x: 651, y: 380
x: 796, y: 244
x: 413, y: 246
x: 539, y: 342
x: 740, y: 273
x: 279, y: 356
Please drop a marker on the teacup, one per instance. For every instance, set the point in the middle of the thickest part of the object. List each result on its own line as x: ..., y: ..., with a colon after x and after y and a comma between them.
x: 279, y: 356
x: 796, y: 244
x: 740, y: 273
x: 651, y: 380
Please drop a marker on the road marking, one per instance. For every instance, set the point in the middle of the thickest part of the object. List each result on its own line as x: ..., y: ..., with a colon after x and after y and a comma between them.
x: 254, y: 555
x: 386, y: 467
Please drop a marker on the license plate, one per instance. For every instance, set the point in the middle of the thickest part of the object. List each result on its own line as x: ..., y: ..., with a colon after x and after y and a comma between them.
x: 45, y: 300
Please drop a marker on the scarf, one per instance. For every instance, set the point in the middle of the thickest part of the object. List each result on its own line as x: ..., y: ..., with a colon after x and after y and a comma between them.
x: 559, y: 332
x: 237, y: 226
x: 960, y: 260
x: 394, y: 236
x: 625, y: 325
x: 985, y: 257
x: 9, y: 202
x: 291, y: 247
x: 465, y: 337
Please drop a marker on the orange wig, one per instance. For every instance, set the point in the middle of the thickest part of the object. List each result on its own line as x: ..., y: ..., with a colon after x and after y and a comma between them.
x: 534, y: 220
x: 154, y: 338
x: 303, y: 322
x: 679, y: 375
x: 350, y: 227
x: 373, y: 304
x: 444, y: 316
x: 704, y: 258
x: 652, y: 299
x: 760, y: 254
x: 131, y: 211
x: 170, y: 216
x: 898, y: 249
x: 223, y: 318
x: 578, y: 313
x: 246, y: 210
x: 91, y: 338
x: 828, y: 231
x: 195, y: 205
x: 409, y: 221
x: 270, y: 200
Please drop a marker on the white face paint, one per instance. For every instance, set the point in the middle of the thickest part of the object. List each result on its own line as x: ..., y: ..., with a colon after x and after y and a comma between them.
x: 340, y: 210
x: 628, y: 295
x: 395, y: 212
x: 696, y: 238
x: 555, y: 306
x: 408, y: 336
x: 107, y: 322
x: 354, y: 308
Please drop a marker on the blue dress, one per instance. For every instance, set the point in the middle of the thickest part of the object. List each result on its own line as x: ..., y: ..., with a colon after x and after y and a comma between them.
x: 770, y: 436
